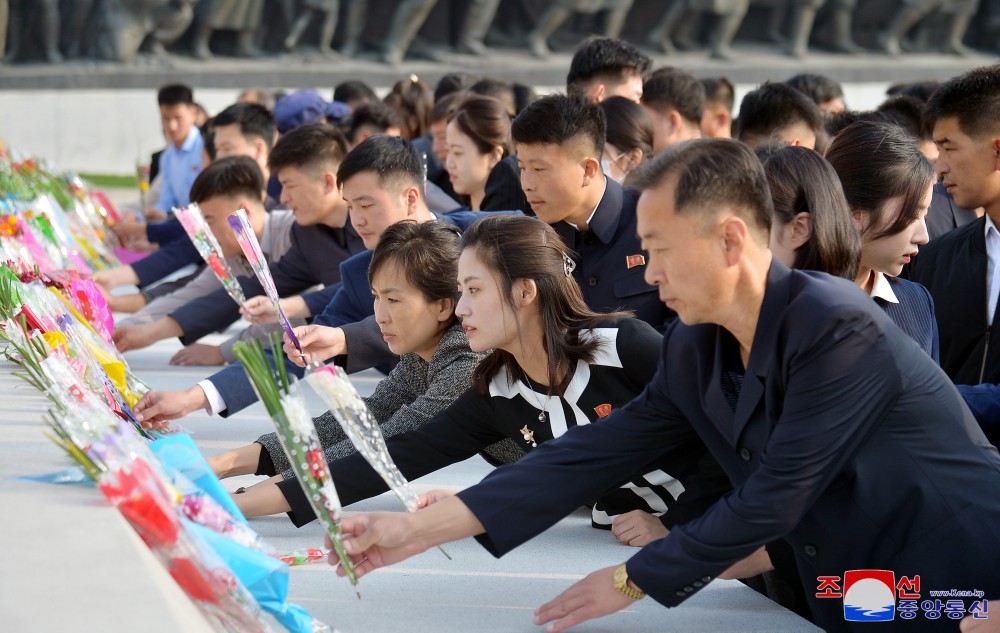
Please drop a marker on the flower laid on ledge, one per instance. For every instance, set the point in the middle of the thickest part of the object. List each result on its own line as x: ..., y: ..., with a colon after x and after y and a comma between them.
x: 245, y: 235
x: 208, y: 247
x: 286, y: 406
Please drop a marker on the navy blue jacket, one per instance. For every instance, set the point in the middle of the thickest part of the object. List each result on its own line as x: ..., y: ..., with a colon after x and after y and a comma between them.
x: 169, y: 258
x: 846, y: 439
x: 610, y: 261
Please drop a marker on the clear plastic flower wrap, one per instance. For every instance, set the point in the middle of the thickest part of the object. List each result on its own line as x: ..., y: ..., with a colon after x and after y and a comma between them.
x: 208, y: 247
x: 286, y: 406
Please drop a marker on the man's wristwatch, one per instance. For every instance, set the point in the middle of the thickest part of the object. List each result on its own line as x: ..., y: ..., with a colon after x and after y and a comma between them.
x: 620, y: 582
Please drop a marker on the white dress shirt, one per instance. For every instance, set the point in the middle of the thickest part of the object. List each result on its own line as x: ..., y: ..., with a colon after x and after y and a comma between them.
x: 992, y: 278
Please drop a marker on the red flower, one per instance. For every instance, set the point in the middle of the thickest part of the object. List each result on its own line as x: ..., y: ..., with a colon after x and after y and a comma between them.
x: 216, y: 265
x: 317, y: 464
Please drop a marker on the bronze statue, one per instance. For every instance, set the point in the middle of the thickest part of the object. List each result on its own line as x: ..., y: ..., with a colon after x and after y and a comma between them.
x: 802, y: 19
x: 477, y: 24
x: 912, y: 11
x: 4, y: 20
x: 562, y: 10
x: 242, y: 16
x: 729, y: 16
x: 328, y: 11
x: 127, y: 23
x: 22, y: 14
x: 412, y: 14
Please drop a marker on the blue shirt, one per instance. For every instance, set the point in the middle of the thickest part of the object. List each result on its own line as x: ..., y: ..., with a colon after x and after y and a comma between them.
x: 178, y: 169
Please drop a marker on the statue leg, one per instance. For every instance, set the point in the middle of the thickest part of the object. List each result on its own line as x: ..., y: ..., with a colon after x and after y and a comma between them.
x: 355, y: 26
x: 551, y: 20
x: 725, y: 30
x: 803, y: 17
x: 662, y: 34
x: 298, y: 28
x: 329, y: 28
x: 477, y: 25
x: 4, y: 21
x: 50, y: 30
x: 843, y: 22
x: 960, y: 20
x: 616, y: 18
x: 410, y: 16
x: 776, y: 19
x: 901, y: 23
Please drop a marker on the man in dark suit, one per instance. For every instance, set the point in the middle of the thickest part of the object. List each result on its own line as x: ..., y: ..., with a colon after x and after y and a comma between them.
x: 961, y: 269
x: 382, y: 182
x: 839, y: 434
x: 560, y: 142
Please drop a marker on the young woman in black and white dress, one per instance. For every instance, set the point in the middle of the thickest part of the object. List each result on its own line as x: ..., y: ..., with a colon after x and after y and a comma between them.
x: 555, y: 364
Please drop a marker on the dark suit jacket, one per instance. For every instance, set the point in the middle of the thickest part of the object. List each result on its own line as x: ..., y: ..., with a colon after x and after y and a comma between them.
x: 353, y: 310
x: 609, y: 279
x: 847, y: 440
x: 953, y: 269
x: 169, y: 258
x: 944, y: 215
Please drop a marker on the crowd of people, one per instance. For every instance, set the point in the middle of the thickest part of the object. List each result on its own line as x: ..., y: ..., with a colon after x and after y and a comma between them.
x: 758, y: 348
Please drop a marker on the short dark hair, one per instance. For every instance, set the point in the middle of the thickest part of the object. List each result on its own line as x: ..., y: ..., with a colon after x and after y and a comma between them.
x: 719, y: 90
x: 376, y: 115
x: 308, y: 147
x: 877, y: 162
x: 972, y: 98
x: 670, y: 88
x: 557, y: 119
x: 451, y: 83
x: 607, y: 59
x: 774, y: 106
x: 234, y: 176
x: 500, y: 90
x: 208, y: 145
x: 922, y: 90
x: 486, y: 121
x: 628, y: 125
x: 175, y: 94
x: 254, y: 120
x: 802, y: 180
x: 354, y: 91
x: 712, y: 174
x: 394, y: 159
x: 819, y: 88
x: 425, y: 252
x: 524, y: 96
x: 906, y: 112
x: 445, y: 106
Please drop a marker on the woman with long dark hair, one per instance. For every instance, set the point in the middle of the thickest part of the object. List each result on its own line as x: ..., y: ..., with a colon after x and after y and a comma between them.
x: 554, y: 364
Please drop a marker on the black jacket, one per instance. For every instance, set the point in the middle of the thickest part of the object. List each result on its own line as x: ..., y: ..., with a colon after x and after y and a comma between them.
x: 953, y: 268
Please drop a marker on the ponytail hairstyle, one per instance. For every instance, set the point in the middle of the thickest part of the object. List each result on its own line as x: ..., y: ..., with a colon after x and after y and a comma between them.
x: 521, y: 247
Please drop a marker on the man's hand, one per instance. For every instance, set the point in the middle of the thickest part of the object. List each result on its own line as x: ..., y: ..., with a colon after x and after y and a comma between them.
x: 130, y: 337
x: 132, y: 302
x: 319, y: 343
x: 258, y: 311
x: 157, y: 408
x: 154, y: 215
x: 199, y: 354
x: 638, y: 528
x: 129, y: 229
x: 433, y: 496
x: 376, y: 539
x: 114, y: 277
x: 590, y: 598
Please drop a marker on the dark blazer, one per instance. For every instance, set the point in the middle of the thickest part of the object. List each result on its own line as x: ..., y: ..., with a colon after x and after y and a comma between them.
x: 953, y: 269
x: 503, y: 188
x: 846, y: 439
x: 914, y: 314
x: 353, y: 310
x: 313, y: 258
x: 944, y: 215
x: 610, y: 261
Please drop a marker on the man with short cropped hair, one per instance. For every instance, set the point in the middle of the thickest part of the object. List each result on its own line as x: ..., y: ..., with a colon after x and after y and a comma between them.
x: 778, y: 111
x: 675, y: 101
x: 605, y: 67
x: 180, y: 163
x: 717, y: 121
x: 961, y: 269
x: 560, y: 143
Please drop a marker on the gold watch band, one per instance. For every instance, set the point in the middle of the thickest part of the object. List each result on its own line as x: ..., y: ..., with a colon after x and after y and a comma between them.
x: 621, y: 584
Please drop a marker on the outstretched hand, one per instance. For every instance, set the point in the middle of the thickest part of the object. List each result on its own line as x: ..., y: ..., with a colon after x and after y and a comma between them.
x: 590, y: 598
x: 319, y: 343
x: 157, y: 408
x: 377, y: 539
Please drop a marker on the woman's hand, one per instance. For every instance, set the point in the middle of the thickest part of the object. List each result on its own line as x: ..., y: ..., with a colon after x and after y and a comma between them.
x: 319, y: 343
x: 432, y: 497
x: 638, y: 528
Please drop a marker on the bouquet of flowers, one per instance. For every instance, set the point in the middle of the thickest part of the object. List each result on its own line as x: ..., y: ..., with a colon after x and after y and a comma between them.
x: 208, y: 247
x: 337, y: 392
x: 286, y: 406
x: 245, y: 235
